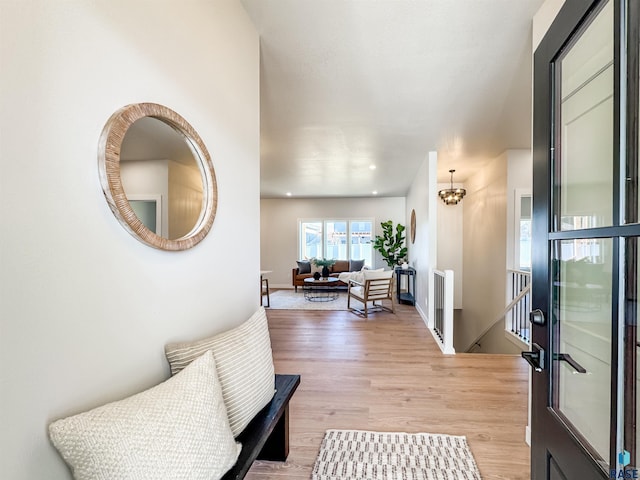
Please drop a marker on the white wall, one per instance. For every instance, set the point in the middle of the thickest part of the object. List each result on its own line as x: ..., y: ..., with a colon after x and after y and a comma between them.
x: 85, y: 308
x: 519, y: 180
x: 422, y: 197
x: 279, y: 227
x: 543, y: 19
x: 484, y: 250
x: 450, y: 241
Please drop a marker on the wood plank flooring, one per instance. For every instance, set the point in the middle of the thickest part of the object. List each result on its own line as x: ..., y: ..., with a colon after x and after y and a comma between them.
x: 386, y: 373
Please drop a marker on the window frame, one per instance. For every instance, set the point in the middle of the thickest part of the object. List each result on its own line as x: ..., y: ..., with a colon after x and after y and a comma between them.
x: 324, y: 221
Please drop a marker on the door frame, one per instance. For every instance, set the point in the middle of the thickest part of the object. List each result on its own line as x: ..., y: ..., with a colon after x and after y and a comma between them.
x: 568, y: 21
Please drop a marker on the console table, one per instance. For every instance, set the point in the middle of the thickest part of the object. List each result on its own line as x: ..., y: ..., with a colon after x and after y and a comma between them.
x: 407, y: 297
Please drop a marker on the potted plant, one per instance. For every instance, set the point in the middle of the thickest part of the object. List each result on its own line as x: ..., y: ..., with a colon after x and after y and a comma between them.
x: 325, y: 263
x: 391, y: 244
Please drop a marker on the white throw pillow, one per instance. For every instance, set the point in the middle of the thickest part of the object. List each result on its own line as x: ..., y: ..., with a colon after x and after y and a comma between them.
x: 178, y: 429
x: 245, y: 366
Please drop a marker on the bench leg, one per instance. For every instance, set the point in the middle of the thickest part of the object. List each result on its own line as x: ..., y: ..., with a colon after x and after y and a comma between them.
x: 277, y: 446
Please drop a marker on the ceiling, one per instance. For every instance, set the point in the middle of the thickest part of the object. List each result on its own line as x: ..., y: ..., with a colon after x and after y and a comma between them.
x: 349, y: 85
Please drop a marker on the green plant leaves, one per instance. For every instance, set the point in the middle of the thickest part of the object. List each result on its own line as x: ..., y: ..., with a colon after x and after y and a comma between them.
x: 390, y: 244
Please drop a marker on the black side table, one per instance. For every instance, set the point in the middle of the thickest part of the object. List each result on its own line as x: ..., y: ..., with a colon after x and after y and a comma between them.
x: 407, y: 297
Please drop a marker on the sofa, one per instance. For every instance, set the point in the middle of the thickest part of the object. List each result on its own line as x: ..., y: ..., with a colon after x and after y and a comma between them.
x: 306, y: 269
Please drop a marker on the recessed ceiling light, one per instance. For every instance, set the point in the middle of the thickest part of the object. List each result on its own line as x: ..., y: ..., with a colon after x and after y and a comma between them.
x: 288, y: 194
x: 372, y: 167
x: 375, y: 192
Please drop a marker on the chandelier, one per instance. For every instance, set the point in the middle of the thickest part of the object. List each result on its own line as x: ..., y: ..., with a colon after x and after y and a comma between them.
x: 451, y: 196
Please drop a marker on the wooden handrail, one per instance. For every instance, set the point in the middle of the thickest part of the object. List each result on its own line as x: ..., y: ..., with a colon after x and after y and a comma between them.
x: 512, y: 304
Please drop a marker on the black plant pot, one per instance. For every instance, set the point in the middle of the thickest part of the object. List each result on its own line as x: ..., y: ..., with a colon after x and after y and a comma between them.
x: 325, y: 271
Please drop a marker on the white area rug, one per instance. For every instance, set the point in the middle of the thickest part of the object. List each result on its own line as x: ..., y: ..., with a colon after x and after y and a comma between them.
x: 360, y: 455
x: 290, y: 300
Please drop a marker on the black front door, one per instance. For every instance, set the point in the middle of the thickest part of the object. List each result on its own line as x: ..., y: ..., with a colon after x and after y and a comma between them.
x: 585, y: 226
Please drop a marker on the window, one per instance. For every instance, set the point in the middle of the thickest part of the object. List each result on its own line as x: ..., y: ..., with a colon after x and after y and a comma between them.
x: 523, y: 231
x: 337, y: 239
x: 311, y: 239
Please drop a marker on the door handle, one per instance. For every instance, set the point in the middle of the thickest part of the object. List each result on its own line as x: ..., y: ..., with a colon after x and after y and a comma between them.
x: 536, y: 317
x: 535, y: 358
x: 565, y: 357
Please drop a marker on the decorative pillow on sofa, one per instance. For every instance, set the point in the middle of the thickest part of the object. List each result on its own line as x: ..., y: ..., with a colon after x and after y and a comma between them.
x: 245, y: 367
x: 178, y: 429
x: 356, y: 265
x: 304, y: 266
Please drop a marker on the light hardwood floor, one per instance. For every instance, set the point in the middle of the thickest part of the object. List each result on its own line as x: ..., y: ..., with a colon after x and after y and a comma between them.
x: 386, y: 373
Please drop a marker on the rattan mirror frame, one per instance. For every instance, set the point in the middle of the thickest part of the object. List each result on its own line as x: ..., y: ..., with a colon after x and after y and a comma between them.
x: 109, y: 148
x: 413, y: 226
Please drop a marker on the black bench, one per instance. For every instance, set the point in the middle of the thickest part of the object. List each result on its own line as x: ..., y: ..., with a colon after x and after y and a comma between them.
x: 267, y: 436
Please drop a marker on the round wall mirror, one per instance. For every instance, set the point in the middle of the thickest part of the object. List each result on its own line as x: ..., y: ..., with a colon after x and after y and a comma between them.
x: 412, y: 231
x: 157, y: 176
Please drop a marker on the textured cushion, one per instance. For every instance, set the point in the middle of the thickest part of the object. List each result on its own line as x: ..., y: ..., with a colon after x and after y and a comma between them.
x: 245, y: 366
x: 380, y: 273
x: 356, y: 265
x: 178, y: 429
x: 304, y: 266
x: 346, y: 277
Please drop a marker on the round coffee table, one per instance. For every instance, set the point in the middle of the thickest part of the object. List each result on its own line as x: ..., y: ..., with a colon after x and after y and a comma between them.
x: 321, y: 290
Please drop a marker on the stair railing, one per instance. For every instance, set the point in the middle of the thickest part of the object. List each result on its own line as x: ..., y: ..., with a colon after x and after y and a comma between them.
x: 441, y: 314
x: 513, y: 304
x: 518, y: 317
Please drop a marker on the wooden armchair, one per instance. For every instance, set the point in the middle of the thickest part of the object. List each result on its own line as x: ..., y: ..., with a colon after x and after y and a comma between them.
x: 375, y: 287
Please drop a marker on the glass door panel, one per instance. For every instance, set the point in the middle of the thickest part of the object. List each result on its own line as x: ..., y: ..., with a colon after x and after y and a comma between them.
x: 585, y: 99
x: 581, y: 346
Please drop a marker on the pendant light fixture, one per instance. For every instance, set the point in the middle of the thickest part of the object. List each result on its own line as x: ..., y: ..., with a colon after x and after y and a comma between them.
x: 451, y: 196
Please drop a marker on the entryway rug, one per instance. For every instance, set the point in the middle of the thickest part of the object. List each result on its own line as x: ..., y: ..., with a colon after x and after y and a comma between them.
x: 292, y: 300
x: 363, y: 455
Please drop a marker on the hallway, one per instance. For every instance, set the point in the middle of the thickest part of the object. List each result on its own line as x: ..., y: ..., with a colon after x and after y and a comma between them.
x: 387, y: 374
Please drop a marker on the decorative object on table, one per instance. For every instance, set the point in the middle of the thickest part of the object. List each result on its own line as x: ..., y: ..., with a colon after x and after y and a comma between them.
x: 316, y: 276
x: 360, y: 454
x: 404, y: 265
x: 390, y: 244
x: 412, y: 233
x: 451, y: 196
x: 325, y: 263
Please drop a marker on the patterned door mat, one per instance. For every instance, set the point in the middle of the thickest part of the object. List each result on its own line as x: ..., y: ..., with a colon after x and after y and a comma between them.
x: 363, y: 455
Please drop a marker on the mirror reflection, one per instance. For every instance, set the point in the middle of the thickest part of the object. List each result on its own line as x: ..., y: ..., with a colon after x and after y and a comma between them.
x: 157, y: 176
x: 161, y: 178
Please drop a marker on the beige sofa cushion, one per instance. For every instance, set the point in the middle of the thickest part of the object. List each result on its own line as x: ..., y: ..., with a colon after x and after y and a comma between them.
x: 340, y: 266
